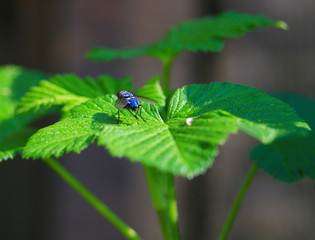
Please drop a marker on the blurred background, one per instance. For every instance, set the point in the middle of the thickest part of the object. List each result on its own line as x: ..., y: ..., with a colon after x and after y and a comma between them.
x: 53, y: 36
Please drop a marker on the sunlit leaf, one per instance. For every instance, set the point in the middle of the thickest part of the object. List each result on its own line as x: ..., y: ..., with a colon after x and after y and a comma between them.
x: 69, y: 91
x: 259, y: 114
x: 199, y: 118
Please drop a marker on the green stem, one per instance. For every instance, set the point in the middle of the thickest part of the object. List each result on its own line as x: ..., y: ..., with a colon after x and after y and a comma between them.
x: 167, y: 64
x: 93, y: 200
x: 157, y: 187
x: 237, y: 202
x: 172, y: 206
x: 161, y: 186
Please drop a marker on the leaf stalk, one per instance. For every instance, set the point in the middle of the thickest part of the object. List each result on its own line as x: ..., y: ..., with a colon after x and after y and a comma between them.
x: 167, y: 64
x: 162, y: 191
x: 237, y: 202
x: 127, y: 231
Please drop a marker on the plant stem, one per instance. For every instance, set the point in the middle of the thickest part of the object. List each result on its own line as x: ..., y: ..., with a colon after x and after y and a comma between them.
x: 237, y: 202
x: 162, y: 190
x: 167, y: 64
x: 172, y: 206
x: 161, y: 185
x: 157, y: 187
x: 93, y: 200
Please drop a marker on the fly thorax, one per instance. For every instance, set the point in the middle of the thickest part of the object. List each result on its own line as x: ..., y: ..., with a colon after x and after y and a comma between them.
x: 124, y: 94
x: 133, y: 102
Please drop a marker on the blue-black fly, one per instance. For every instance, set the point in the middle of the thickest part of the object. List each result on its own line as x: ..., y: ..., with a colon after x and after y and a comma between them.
x: 130, y: 102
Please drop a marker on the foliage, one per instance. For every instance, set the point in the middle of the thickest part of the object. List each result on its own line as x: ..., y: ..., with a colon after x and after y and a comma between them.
x: 172, y: 144
x: 69, y: 90
x: 204, y: 34
x: 14, y: 130
x: 290, y: 158
x: 153, y: 90
x: 180, y: 134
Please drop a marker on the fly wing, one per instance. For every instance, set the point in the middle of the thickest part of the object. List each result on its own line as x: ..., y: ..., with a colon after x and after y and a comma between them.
x: 148, y: 100
x: 120, y: 104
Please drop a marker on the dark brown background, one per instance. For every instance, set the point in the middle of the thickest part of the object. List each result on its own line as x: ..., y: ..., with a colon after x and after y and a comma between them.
x: 54, y: 35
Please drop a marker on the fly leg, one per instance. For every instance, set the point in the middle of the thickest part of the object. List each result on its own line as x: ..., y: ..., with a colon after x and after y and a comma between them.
x: 140, y: 106
x: 133, y: 114
x: 118, y: 118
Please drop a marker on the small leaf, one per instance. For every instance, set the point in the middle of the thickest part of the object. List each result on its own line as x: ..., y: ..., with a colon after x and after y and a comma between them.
x: 69, y: 91
x: 290, y: 158
x: 204, y: 34
x: 14, y: 82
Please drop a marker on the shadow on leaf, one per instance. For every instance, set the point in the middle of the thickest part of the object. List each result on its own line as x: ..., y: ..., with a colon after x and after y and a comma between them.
x: 102, y: 119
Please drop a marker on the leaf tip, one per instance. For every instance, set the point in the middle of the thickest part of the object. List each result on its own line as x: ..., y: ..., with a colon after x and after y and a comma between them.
x: 283, y: 25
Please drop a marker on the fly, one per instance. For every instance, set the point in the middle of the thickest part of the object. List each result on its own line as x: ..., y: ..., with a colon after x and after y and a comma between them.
x: 130, y: 102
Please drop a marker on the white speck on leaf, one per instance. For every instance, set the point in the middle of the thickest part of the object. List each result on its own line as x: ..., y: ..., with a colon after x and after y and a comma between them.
x: 189, y: 121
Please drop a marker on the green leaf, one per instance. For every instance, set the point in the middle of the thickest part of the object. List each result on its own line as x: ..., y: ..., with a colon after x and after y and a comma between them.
x: 81, y: 126
x: 199, y: 118
x: 304, y: 106
x: 113, y: 86
x: 14, y: 82
x: 109, y: 54
x: 204, y: 34
x: 260, y: 115
x: 153, y: 90
x: 73, y: 133
x: 64, y: 136
x: 153, y: 142
x: 290, y: 158
x: 69, y: 91
x: 14, y: 131
x: 174, y: 147
x: 14, y: 142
